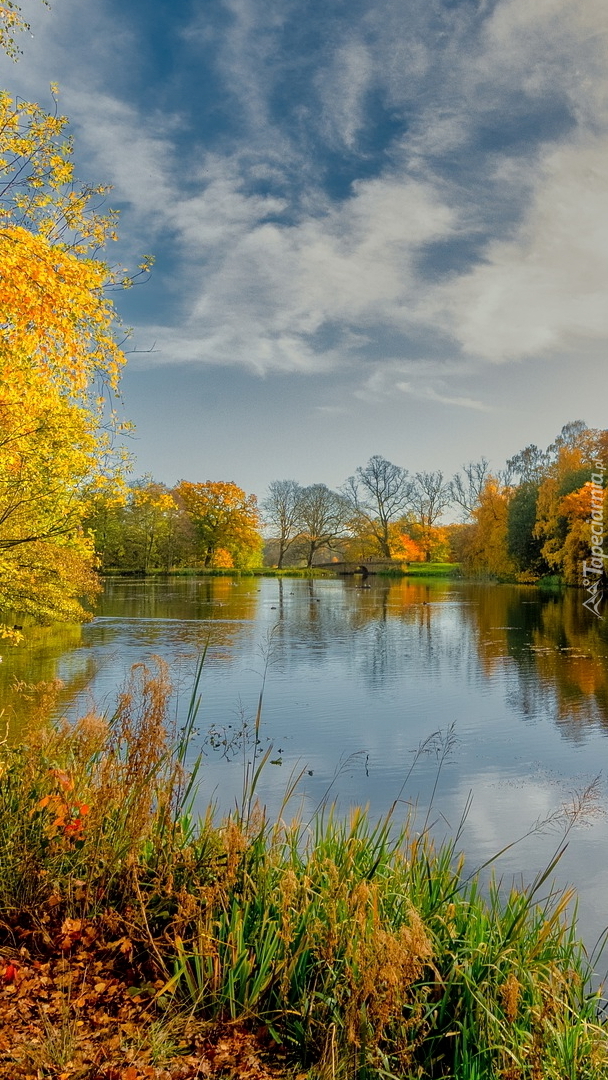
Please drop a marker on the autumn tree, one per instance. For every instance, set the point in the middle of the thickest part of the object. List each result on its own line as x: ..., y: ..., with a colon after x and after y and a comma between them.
x: 484, y: 549
x: 58, y: 356
x: 403, y: 544
x: 432, y: 541
x: 226, y: 522
x: 563, y: 506
x: 379, y: 494
x: 142, y: 529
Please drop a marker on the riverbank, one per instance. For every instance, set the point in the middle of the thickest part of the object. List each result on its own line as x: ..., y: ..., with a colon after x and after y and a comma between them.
x: 406, y: 570
x: 140, y: 942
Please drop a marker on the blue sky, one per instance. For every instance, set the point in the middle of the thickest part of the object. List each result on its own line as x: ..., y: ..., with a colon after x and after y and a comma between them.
x: 379, y: 227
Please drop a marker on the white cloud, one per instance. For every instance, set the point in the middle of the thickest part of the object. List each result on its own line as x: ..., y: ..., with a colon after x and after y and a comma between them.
x: 546, y: 288
x: 429, y: 393
x: 342, y: 89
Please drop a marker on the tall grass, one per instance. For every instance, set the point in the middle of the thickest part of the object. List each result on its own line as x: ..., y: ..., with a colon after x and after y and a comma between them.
x: 364, y: 948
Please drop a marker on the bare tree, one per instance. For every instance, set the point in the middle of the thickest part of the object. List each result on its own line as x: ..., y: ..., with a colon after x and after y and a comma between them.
x: 430, y: 497
x: 323, y: 516
x: 379, y: 494
x: 528, y: 466
x: 280, y: 509
x: 467, y: 485
x: 574, y: 433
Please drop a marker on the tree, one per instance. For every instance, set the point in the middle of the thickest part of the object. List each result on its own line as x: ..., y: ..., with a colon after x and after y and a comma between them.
x: 379, y: 494
x: 280, y: 508
x: 485, y: 544
x: 323, y: 517
x: 466, y: 486
x: 529, y: 465
x: 562, y: 522
x: 432, y: 541
x: 523, y: 544
x: 430, y: 496
x: 58, y: 356
x: 141, y: 529
x: 225, y: 520
x: 578, y: 508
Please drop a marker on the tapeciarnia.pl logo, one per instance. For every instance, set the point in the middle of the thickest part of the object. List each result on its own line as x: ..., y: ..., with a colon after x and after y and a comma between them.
x: 594, y: 569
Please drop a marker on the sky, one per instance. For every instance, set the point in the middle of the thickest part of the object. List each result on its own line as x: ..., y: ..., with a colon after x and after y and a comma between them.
x: 379, y: 226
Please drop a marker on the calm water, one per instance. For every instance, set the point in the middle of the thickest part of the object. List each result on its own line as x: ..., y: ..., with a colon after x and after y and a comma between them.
x: 357, y: 678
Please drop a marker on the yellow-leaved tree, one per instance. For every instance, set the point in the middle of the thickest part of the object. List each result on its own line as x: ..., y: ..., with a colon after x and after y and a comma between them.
x: 566, y: 499
x: 484, y: 549
x: 58, y: 358
x: 226, y: 523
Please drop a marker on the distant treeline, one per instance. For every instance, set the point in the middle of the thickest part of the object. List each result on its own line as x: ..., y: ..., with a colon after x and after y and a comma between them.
x: 531, y: 519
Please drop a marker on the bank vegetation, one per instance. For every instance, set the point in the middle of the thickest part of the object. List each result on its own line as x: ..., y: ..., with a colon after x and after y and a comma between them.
x: 331, y: 947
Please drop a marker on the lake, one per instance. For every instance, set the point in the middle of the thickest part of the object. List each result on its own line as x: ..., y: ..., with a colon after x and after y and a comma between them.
x: 506, y: 687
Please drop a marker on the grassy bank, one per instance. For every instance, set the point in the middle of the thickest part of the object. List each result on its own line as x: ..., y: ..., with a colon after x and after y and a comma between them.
x: 431, y: 570
x: 408, y: 570
x: 328, y: 949
x: 259, y: 571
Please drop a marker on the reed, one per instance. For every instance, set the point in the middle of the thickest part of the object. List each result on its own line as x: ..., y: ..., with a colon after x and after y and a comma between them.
x: 364, y: 947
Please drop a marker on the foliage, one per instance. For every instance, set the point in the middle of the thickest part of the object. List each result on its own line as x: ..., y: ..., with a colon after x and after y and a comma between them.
x: 141, y: 529
x: 58, y: 356
x: 226, y: 522
x: 523, y: 545
x: 353, y: 942
x: 522, y: 530
x: 12, y: 23
x: 485, y: 545
x: 576, y: 509
x: 432, y: 541
x: 564, y: 504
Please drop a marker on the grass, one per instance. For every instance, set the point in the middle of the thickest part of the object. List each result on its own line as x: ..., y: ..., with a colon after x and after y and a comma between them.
x: 408, y: 570
x: 364, y: 948
x: 433, y: 570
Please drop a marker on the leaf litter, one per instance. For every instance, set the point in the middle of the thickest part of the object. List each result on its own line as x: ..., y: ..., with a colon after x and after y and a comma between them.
x: 78, y: 1006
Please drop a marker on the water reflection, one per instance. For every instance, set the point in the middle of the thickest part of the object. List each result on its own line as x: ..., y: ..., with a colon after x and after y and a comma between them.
x: 548, y: 653
x: 46, y: 653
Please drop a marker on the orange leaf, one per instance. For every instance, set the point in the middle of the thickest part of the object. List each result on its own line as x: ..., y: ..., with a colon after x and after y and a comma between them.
x: 63, y: 778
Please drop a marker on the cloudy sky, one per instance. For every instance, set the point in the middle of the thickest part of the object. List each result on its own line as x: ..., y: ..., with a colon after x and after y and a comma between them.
x: 380, y: 226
